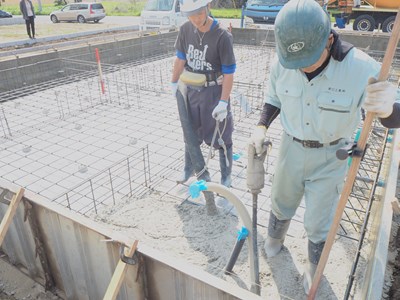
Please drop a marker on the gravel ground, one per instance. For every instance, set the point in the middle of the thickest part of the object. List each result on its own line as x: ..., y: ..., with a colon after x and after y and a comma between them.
x: 15, y: 285
x: 392, y: 277
x: 394, y: 292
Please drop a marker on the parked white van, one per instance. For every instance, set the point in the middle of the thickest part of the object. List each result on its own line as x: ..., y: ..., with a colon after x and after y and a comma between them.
x: 161, y: 14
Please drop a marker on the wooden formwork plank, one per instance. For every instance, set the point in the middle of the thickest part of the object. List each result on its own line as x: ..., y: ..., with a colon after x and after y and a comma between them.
x: 118, y: 276
x: 6, y: 221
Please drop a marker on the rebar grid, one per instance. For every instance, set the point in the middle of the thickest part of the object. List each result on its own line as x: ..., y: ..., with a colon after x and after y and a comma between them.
x: 130, y: 86
x: 41, y: 75
x: 128, y: 177
x: 357, y: 204
x: 74, y: 101
x: 83, y: 149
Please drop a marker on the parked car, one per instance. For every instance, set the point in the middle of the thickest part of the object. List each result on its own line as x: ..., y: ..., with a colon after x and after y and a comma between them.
x: 4, y: 14
x: 79, y: 12
x: 262, y: 11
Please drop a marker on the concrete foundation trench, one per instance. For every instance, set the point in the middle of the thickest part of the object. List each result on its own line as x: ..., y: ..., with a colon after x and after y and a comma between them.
x: 98, y: 158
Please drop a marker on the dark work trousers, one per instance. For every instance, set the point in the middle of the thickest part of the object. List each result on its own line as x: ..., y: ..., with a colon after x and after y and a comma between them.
x: 201, y: 103
x: 30, y: 25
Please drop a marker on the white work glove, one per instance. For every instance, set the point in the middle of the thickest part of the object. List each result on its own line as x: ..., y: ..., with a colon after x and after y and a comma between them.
x: 380, y: 97
x: 174, y: 88
x: 258, y: 137
x: 220, y: 111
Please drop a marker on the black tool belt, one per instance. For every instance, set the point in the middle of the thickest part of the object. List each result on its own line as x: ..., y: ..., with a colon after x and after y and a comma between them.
x: 315, y: 144
x: 211, y: 77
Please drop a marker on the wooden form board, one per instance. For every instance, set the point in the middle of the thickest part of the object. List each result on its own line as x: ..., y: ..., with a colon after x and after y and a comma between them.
x: 6, y: 221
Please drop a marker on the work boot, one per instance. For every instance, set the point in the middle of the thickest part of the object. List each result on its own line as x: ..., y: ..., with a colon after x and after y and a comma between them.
x: 188, y: 170
x: 277, y: 230
x: 314, y: 254
x: 226, y: 165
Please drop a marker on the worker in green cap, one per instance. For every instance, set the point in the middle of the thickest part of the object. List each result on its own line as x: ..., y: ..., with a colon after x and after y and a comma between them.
x: 318, y: 85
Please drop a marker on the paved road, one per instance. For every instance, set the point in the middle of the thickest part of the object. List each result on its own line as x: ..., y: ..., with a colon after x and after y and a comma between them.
x: 15, y: 34
x: 110, y: 20
x: 129, y: 21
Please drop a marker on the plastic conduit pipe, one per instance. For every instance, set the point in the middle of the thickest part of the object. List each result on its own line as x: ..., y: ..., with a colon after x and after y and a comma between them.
x: 199, y: 186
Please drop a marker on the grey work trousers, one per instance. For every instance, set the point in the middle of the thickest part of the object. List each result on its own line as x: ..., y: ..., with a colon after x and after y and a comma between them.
x: 314, y: 173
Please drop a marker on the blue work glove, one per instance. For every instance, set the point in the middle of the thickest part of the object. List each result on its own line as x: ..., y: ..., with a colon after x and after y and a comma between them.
x: 174, y: 88
x: 220, y: 111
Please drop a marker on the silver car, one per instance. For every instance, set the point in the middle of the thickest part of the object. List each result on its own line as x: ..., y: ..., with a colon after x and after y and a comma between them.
x: 79, y: 12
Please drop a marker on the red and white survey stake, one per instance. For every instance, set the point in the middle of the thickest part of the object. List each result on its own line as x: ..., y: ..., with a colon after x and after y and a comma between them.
x: 100, y: 72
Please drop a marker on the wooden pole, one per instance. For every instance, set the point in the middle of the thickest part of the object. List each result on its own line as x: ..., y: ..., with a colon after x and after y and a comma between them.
x: 383, y: 75
x: 118, y: 276
x: 7, y: 219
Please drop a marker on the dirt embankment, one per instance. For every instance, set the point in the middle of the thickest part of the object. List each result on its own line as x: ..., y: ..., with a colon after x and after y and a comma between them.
x: 394, y: 292
x: 392, y: 276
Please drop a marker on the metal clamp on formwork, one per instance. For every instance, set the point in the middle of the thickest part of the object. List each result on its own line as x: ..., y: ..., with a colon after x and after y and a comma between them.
x: 351, y: 150
x: 124, y: 258
x: 120, y: 270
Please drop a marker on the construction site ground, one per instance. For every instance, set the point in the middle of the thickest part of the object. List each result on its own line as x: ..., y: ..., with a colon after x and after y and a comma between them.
x: 65, y: 134
x: 392, y: 278
x: 15, y: 285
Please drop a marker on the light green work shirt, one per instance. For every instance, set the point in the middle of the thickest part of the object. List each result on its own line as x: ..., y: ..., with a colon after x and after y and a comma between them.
x: 329, y: 106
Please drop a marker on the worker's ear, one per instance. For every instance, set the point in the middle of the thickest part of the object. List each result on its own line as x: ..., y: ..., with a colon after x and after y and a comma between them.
x: 330, y: 42
x: 331, y: 38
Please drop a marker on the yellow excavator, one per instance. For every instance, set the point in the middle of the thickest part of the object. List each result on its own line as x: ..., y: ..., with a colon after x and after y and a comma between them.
x: 367, y: 16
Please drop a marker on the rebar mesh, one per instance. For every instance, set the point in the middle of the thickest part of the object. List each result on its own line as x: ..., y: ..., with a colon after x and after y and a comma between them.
x: 66, y: 140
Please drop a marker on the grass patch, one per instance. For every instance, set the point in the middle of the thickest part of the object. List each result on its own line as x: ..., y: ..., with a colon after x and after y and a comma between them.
x: 131, y: 8
x: 46, y: 9
x: 226, y: 13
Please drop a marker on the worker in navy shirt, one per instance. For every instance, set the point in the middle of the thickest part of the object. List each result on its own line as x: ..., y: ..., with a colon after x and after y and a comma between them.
x: 205, y: 49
